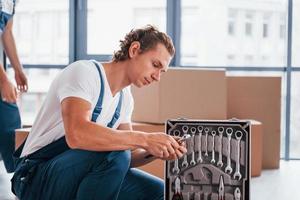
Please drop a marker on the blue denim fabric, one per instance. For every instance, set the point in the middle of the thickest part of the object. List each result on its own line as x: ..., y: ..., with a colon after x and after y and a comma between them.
x: 9, y: 121
x: 87, y: 175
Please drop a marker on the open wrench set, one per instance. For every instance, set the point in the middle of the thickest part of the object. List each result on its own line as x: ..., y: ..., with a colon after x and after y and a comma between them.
x: 216, y: 165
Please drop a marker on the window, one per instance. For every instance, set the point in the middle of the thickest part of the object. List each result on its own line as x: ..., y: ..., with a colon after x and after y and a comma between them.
x: 282, y: 31
x: 231, y: 28
x: 295, y: 116
x: 282, y: 26
x: 296, y: 33
x: 248, y: 23
x: 211, y: 31
x: 249, y: 60
x: 189, y: 52
x: 230, y: 60
x: 39, y: 81
x: 105, y: 28
x: 267, y: 19
x: 232, y: 15
x: 265, y: 30
x: 248, y: 29
x: 41, y: 30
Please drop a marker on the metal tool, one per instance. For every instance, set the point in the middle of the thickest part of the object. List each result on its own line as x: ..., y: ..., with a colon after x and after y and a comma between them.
x: 221, y: 194
x: 185, y: 163
x: 220, y: 160
x: 237, y: 174
x: 177, y: 193
x: 213, y: 133
x: 176, y: 169
x: 237, y: 194
x: 206, y: 130
x: 184, y: 138
x: 199, y: 159
x: 193, y: 131
x: 228, y: 168
x: 176, y: 133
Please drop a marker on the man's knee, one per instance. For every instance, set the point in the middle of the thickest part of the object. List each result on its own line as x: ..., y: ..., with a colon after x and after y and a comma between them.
x: 119, y: 160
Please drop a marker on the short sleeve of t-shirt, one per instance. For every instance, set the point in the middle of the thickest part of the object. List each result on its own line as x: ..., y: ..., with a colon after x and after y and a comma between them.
x: 80, y: 79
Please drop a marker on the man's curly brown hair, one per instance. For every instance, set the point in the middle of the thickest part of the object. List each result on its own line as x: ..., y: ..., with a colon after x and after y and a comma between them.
x: 148, y: 37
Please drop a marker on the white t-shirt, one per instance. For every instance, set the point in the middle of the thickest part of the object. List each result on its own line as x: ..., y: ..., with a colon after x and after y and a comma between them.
x: 80, y: 79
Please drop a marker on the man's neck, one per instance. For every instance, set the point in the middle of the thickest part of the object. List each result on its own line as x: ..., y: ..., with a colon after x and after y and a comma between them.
x: 116, y: 76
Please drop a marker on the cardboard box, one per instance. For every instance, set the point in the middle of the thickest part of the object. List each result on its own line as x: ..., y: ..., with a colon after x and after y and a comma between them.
x: 256, y: 147
x: 258, y: 98
x: 21, y: 135
x: 190, y: 93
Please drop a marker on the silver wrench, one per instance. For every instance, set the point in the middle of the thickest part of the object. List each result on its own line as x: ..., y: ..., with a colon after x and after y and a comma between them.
x: 176, y: 169
x: 228, y: 168
x: 237, y: 174
x: 185, y: 163
x: 193, y: 131
x: 213, y: 133
x: 237, y: 194
x: 199, y: 159
x: 220, y: 161
x: 206, y: 130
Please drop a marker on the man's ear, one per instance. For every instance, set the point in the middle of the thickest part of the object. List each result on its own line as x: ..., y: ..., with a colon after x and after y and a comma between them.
x: 134, y: 49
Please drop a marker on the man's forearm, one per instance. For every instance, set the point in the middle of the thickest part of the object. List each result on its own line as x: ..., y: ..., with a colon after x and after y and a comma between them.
x: 10, y: 47
x: 91, y: 136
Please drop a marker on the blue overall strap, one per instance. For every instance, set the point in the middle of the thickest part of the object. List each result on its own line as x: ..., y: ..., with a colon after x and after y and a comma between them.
x: 117, y: 112
x: 98, y: 108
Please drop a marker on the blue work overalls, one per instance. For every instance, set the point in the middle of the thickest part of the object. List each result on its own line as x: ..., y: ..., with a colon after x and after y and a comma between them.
x: 9, y: 115
x: 58, y: 172
x: 9, y: 121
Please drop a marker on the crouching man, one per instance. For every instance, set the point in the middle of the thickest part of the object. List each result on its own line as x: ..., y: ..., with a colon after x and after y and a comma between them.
x: 82, y: 145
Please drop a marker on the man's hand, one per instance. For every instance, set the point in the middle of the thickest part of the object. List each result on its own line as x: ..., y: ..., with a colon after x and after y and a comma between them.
x: 164, y: 146
x: 8, y: 91
x: 21, y: 81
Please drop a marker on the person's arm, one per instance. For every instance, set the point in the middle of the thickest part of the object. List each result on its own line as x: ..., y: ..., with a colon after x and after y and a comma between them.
x: 11, y: 52
x: 81, y: 133
x: 7, y: 89
x: 140, y: 157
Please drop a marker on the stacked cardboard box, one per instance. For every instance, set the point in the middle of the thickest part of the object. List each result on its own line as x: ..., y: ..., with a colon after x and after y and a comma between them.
x: 210, y: 94
x: 191, y: 93
x: 258, y: 98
